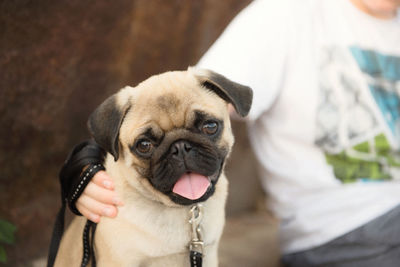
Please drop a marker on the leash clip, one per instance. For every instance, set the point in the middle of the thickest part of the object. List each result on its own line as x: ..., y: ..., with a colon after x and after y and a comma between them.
x: 196, y: 216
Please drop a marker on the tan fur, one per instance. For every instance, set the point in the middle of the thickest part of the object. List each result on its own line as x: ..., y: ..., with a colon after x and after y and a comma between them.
x: 150, y: 229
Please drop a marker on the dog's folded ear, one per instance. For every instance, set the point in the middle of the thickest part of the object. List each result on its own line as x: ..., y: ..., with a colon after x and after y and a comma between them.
x: 240, y: 96
x: 104, y: 124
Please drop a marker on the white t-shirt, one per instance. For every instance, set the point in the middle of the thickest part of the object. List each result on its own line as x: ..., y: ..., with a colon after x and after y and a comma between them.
x: 325, y: 120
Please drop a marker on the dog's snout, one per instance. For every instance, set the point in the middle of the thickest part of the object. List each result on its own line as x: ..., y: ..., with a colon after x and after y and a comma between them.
x: 180, y: 148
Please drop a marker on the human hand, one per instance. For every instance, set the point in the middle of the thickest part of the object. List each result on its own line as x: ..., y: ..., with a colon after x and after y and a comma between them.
x: 99, y: 198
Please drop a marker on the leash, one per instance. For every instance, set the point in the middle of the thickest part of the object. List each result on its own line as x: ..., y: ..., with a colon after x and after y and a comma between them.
x: 73, y: 182
x: 196, y: 245
x: 89, y: 229
x: 88, y: 244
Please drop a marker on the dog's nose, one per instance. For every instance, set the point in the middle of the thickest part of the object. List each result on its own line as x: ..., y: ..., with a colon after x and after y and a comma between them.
x: 180, y: 148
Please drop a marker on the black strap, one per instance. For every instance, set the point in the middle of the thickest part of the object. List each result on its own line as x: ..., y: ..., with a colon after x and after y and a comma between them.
x: 81, y: 184
x: 88, y: 244
x: 92, y: 246
x: 83, y: 154
x: 72, y: 185
x: 58, y: 230
x: 196, y: 259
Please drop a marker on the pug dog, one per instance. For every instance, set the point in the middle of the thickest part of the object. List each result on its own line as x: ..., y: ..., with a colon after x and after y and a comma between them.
x: 167, y: 140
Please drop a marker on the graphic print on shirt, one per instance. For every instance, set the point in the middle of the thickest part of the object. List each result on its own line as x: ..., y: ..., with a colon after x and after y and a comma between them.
x: 358, y: 115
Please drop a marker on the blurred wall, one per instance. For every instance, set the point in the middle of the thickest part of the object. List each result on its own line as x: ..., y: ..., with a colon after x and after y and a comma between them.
x: 58, y: 61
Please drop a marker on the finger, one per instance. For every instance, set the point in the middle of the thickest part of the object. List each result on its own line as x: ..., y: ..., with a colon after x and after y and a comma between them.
x: 101, y: 194
x: 97, y: 207
x: 88, y: 214
x: 101, y: 178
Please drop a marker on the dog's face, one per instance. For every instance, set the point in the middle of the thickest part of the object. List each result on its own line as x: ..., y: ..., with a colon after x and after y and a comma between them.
x: 173, y: 131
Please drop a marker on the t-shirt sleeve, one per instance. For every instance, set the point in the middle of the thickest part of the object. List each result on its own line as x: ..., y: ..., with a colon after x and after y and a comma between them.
x: 252, y: 51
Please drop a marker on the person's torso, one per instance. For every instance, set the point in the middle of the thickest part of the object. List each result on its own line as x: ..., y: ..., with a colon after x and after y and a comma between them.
x: 329, y: 146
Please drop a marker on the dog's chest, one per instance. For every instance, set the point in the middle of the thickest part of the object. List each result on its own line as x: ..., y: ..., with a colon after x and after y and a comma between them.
x: 142, y: 234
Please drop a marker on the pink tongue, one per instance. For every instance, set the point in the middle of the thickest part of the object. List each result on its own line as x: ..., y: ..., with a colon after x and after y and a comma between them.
x: 191, y: 186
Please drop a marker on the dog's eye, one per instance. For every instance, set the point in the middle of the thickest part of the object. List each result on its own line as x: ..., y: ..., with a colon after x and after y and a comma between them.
x: 144, y: 146
x: 210, y: 127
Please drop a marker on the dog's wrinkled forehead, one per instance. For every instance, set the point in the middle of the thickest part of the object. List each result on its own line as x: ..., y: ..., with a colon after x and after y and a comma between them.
x: 170, y: 100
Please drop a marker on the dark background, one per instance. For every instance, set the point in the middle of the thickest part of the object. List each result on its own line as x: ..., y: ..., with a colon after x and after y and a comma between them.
x: 58, y: 61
